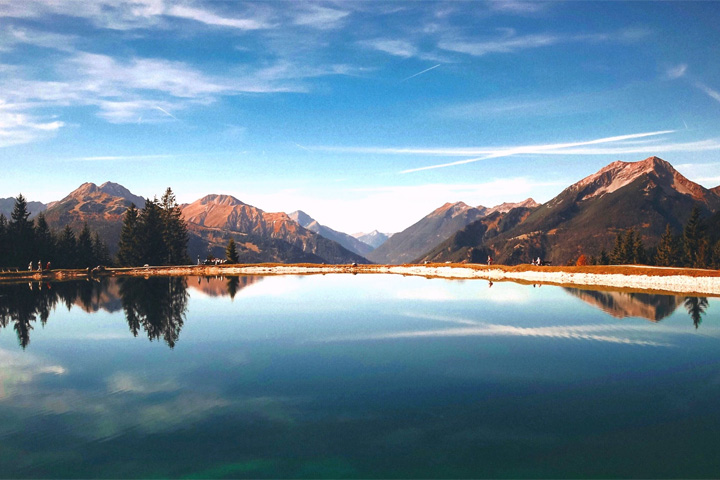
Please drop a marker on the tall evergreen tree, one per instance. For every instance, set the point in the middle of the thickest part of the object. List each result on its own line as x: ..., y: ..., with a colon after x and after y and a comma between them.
x: 617, y: 257
x: 45, y: 242
x: 668, y: 250
x: 67, y: 249
x: 716, y: 255
x: 101, y: 255
x: 692, y: 235
x: 152, y: 240
x: 21, y: 233
x: 129, y: 247
x: 4, y: 242
x: 85, y: 257
x: 175, y: 231
x: 231, y: 252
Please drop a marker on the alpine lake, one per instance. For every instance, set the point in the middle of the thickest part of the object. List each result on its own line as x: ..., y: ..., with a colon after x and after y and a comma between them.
x: 355, y: 376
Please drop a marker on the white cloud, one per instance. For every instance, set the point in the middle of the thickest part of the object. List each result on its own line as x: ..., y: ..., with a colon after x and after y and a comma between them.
x: 510, y: 43
x: 675, y: 72
x: 320, y: 17
x: 18, y: 128
x: 398, y: 48
x: 714, y: 94
x: 210, y: 18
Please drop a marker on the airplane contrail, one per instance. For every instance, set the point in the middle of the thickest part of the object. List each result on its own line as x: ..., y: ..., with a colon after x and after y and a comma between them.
x: 166, y: 112
x: 420, y: 73
x: 540, y: 149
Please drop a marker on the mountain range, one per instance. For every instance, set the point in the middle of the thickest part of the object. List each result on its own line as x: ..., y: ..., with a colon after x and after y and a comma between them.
x: 584, y: 218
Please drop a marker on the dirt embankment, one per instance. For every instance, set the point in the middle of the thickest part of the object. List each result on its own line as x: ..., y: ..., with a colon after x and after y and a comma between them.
x: 628, y: 277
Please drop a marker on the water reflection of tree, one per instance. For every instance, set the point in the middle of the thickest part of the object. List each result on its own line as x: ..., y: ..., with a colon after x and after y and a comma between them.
x: 157, y: 305
x: 696, y: 307
x: 22, y: 304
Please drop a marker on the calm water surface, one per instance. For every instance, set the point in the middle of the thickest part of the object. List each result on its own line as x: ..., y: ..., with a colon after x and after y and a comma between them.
x: 355, y: 376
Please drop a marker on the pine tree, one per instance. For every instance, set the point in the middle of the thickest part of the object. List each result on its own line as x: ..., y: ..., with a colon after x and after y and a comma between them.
x: 231, y: 252
x: 152, y: 240
x: 85, y: 248
x: 638, y: 249
x: 604, y: 258
x: 4, y: 244
x: 716, y: 255
x: 21, y: 233
x: 668, y: 250
x: 617, y: 257
x: 45, y: 241
x: 175, y: 232
x: 101, y: 255
x: 67, y: 249
x: 129, y: 248
x: 692, y: 234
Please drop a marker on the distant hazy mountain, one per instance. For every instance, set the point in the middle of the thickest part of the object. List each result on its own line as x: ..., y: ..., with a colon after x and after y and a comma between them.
x: 417, y: 239
x: 347, y: 241
x: 374, y: 238
x: 101, y: 207
x: 716, y: 190
x: 261, y: 236
x: 8, y: 204
x: 585, y: 217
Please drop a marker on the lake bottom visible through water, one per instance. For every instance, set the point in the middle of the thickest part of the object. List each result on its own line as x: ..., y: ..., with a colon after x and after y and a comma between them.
x: 367, y: 376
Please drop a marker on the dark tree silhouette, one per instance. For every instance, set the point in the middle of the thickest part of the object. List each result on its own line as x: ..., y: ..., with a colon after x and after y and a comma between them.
x: 231, y: 252
x: 696, y: 307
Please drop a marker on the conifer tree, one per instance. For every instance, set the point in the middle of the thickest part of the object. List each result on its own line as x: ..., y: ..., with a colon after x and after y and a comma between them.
x: 716, y: 255
x: 692, y: 234
x: 21, y: 233
x: 84, y: 248
x: 152, y: 240
x: 617, y: 257
x: 231, y: 252
x: 4, y: 243
x: 604, y: 258
x: 129, y: 247
x: 67, y: 248
x: 101, y: 256
x: 175, y: 231
x: 668, y: 250
x: 45, y: 241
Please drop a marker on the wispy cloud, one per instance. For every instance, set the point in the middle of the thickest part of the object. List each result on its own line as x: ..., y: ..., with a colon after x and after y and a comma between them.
x: 398, y: 48
x: 509, y: 42
x: 320, y: 17
x: 714, y: 94
x: 18, y: 128
x: 676, y: 72
x: 210, y: 18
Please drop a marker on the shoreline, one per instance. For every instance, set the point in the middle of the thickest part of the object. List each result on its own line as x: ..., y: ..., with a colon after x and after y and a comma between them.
x: 624, y: 277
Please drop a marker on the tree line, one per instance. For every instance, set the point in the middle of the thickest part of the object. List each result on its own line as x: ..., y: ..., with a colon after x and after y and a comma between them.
x: 29, y: 244
x: 154, y: 235
x: 695, y: 247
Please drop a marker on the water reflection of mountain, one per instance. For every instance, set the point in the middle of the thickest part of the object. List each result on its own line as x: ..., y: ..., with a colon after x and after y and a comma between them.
x: 643, y: 305
x: 222, y: 286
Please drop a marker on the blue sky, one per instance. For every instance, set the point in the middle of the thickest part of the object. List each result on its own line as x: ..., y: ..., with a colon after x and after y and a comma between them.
x: 364, y: 114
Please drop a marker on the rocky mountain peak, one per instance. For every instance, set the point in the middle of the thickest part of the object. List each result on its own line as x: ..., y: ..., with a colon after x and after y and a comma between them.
x: 302, y: 218
x: 224, y: 200
x: 507, y: 206
x: 451, y: 208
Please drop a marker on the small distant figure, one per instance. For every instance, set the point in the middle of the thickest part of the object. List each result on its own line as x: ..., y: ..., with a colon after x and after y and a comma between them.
x: 47, y: 266
x: 198, y: 259
x: 39, y: 266
x: 489, y: 260
x: 538, y: 262
x: 30, y: 266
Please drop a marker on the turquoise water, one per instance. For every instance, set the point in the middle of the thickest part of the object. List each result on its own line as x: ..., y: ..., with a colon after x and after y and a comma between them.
x: 363, y: 376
